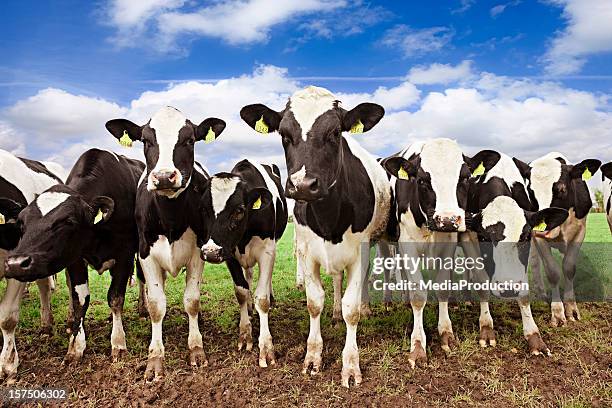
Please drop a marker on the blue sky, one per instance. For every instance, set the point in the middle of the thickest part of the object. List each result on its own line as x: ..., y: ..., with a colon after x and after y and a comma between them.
x: 119, y: 54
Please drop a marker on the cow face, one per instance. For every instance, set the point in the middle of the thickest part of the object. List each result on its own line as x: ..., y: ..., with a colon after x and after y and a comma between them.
x: 55, y: 228
x: 311, y: 128
x: 504, y: 231
x: 550, y: 179
x: 435, y: 175
x: 168, y: 139
x: 227, y: 204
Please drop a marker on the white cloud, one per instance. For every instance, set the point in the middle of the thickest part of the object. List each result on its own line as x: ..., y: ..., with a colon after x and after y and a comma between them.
x: 415, y: 42
x: 588, y: 31
x: 500, y: 8
x: 464, y: 6
x: 440, y: 73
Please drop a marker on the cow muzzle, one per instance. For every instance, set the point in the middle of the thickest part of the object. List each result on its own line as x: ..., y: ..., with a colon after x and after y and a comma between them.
x: 22, y: 268
x: 165, y: 180
x: 307, y: 189
x: 211, y: 252
x: 448, y: 222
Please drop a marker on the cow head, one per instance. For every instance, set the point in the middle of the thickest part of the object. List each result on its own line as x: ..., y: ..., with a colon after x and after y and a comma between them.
x: 551, y: 181
x: 168, y: 139
x: 10, y: 232
x: 228, y: 203
x: 55, y: 228
x: 504, y: 231
x: 435, y: 175
x: 311, y: 127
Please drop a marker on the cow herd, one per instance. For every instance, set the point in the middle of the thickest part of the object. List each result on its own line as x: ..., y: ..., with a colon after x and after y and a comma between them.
x: 168, y: 214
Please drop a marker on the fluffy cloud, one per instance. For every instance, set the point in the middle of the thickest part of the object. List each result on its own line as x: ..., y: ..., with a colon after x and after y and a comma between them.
x: 588, y: 32
x: 500, y: 8
x: 415, y: 42
x: 440, y: 73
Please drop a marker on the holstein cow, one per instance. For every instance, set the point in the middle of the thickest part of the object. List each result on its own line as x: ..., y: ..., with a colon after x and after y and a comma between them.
x: 554, y: 182
x: 431, y: 195
x: 90, y: 220
x: 171, y: 228
x: 342, y: 198
x: 606, y: 177
x: 248, y: 215
x: 20, y: 181
x: 503, y: 223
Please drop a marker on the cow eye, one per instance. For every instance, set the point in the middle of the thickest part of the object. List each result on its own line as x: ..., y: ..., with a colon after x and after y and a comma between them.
x: 190, y: 142
x: 238, y: 214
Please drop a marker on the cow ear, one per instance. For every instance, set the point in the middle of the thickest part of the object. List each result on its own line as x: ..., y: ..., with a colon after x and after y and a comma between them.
x: 261, y: 118
x: 362, y: 117
x: 259, y: 198
x: 399, y: 167
x: 9, y: 209
x: 585, y: 169
x: 103, y: 208
x: 124, y: 131
x: 482, y: 162
x: 210, y: 129
x: 546, y: 219
x: 606, y: 170
x: 523, y: 168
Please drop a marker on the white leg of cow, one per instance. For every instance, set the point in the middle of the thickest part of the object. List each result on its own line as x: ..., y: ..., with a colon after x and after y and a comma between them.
x: 487, y: 335
x: 337, y: 281
x: 351, y: 302
x: 9, y: 317
x: 553, y: 273
x: 315, y: 298
x: 569, y: 271
x: 300, y: 264
x: 445, y: 327
x: 418, y: 299
x: 530, y: 329
x: 191, y: 301
x: 245, y: 338
x: 46, y: 318
x: 262, y: 304
x: 155, y: 279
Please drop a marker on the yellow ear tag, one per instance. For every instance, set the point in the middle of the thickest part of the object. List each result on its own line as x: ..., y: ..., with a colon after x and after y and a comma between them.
x: 586, y: 176
x: 2, y: 220
x: 479, y: 171
x: 260, y: 126
x: 210, y: 136
x: 99, y: 217
x: 402, y: 174
x: 357, y: 127
x: 257, y: 204
x: 125, y: 140
x: 540, y: 227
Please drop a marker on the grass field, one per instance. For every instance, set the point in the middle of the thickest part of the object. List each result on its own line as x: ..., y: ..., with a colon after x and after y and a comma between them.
x: 579, y: 373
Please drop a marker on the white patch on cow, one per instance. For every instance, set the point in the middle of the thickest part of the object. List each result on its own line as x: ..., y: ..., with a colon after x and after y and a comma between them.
x: 29, y: 182
x: 545, y: 172
x: 298, y: 176
x: 172, y: 257
x: 167, y: 122
x: 82, y: 292
x: 48, y: 201
x: 221, y: 189
x: 506, y: 170
x: 211, y: 246
x: 505, y: 210
x: 308, y: 104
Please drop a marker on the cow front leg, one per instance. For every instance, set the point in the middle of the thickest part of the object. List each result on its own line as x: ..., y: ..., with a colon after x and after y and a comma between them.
x: 351, y: 302
x: 337, y: 283
x: 569, y: 271
x: 262, y: 304
x: 531, y: 331
x: 191, y: 301
x: 120, y: 275
x: 155, y: 279
x: 9, y: 317
x: 142, y: 295
x: 553, y: 273
x: 243, y: 295
x: 70, y: 314
x: 445, y: 326
x: 79, y: 287
x: 418, y: 299
x: 315, y: 298
x: 46, y: 317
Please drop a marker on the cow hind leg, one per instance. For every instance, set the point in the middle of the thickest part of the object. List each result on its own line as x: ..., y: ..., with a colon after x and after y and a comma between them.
x: 155, y: 279
x: 262, y: 304
x: 142, y: 295
x: 351, y: 302
x: 191, y: 301
x: 9, y: 317
x: 315, y: 298
x: 46, y: 317
x: 79, y: 288
x: 120, y: 274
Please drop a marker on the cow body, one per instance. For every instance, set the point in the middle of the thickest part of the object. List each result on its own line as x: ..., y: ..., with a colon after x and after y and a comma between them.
x: 64, y: 230
x: 20, y: 181
x: 248, y: 213
x: 606, y: 171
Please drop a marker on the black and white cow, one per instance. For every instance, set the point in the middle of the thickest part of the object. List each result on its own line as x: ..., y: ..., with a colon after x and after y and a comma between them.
x: 553, y: 182
x: 606, y: 177
x: 342, y: 198
x: 89, y: 220
x: 171, y: 229
x: 20, y: 181
x: 247, y: 210
x: 432, y: 180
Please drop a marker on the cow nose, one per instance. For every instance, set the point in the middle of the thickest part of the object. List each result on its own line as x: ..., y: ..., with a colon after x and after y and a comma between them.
x: 447, y: 222
x: 16, y: 264
x: 164, y: 179
x: 307, y: 189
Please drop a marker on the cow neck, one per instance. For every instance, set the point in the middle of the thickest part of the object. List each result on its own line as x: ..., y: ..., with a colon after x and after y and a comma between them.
x: 174, y: 212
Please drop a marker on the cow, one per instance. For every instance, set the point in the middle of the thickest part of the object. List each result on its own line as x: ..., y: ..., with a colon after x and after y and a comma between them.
x: 606, y: 178
x: 342, y: 200
x: 171, y: 229
x: 248, y: 214
x: 20, y: 181
x: 87, y: 221
x: 553, y: 182
x: 431, y: 188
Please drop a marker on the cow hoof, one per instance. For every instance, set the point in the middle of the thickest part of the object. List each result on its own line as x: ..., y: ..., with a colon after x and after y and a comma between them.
x: 197, y: 357
x: 537, y: 346
x: 337, y: 318
x: 314, y: 361
x: 487, y: 337
x: 155, y: 369
x: 571, y: 311
x: 117, y: 354
x: 447, y: 339
x: 365, y: 311
x: 245, y: 337
x: 266, y: 354
x: 348, y: 372
x: 417, y: 355
x: 72, y: 358
x: 557, y: 318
